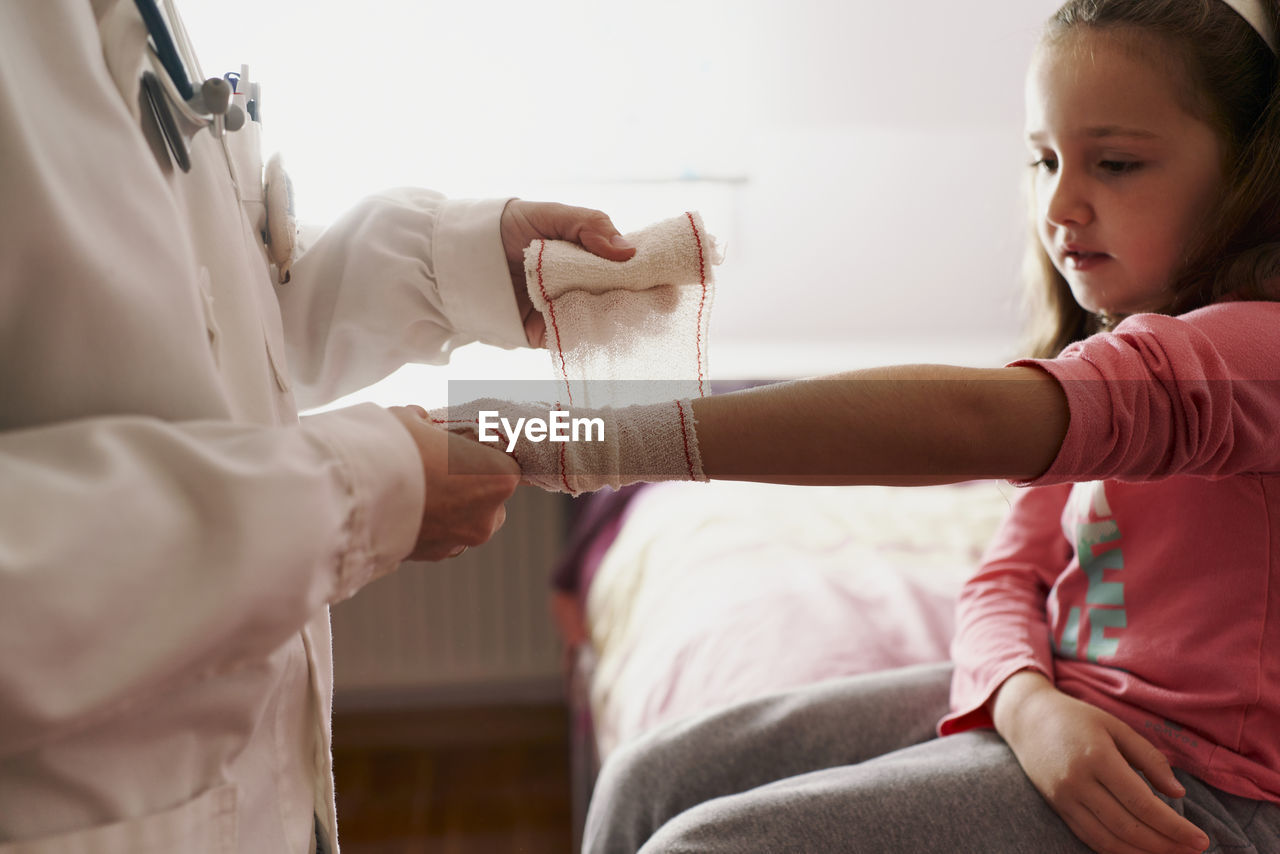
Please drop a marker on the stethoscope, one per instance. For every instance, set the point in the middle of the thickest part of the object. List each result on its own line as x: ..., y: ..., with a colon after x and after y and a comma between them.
x: 180, y: 109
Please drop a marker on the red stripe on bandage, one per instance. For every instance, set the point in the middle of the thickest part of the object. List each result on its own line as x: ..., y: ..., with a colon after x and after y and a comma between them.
x: 702, y: 272
x: 555, y: 326
x: 564, y: 472
x: 684, y: 432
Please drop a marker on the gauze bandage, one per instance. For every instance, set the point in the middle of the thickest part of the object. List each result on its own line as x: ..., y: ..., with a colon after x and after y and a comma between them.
x: 612, y: 323
x: 579, y: 449
x: 628, y: 343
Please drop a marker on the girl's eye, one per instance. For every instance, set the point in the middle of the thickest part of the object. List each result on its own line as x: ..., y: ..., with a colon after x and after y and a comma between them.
x: 1048, y: 164
x: 1119, y: 167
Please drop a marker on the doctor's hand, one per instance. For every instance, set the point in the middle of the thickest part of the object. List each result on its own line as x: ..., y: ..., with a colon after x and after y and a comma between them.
x: 1089, y: 765
x: 467, y: 485
x: 524, y: 222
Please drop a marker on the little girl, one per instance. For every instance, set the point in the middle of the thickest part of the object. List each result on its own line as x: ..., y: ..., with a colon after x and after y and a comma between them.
x: 1116, y: 676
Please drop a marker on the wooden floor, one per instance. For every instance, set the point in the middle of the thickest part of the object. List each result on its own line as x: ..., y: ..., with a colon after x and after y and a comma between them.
x: 491, y: 780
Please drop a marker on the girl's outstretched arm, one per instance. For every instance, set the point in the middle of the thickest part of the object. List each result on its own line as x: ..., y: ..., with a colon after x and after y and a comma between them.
x: 901, y: 425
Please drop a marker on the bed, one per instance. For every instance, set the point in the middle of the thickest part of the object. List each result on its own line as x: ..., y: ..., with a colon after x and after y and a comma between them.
x: 673, y: 599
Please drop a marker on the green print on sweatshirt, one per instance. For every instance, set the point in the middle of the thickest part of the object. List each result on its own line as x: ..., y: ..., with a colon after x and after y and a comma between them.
x: 1104, y: 599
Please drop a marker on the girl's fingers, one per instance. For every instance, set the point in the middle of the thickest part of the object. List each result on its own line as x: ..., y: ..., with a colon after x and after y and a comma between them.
x: 1090, y: 830
x: 1144, y: 756
x: 1134, y: 813
x: 1128, y: 827
x: 1136, y: 796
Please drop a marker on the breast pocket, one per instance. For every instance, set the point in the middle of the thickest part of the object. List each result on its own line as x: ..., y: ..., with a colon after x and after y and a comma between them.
x: 204, y: 825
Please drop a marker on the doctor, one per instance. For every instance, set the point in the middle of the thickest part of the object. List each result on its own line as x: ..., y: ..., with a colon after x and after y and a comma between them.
x: 171, y: 534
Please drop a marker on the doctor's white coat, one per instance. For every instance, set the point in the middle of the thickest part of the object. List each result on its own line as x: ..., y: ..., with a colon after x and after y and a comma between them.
x: 170, y: 535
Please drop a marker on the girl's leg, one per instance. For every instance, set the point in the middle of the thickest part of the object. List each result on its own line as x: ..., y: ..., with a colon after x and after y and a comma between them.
x: 963, y: 794
x: 842, y: 722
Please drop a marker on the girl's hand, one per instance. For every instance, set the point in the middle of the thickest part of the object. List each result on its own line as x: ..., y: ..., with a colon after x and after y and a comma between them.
x: 1086, y: 764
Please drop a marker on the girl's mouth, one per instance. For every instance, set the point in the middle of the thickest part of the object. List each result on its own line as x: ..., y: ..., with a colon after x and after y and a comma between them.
x: 1082, y: 261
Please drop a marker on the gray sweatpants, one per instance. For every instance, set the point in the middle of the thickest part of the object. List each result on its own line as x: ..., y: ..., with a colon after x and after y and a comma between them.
x: 853, y: 765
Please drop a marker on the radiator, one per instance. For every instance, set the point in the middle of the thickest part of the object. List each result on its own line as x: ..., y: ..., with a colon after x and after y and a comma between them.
x: 473, y: 629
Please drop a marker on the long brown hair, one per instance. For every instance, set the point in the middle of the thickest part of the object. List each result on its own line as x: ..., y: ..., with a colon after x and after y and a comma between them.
x: 1235, y: 88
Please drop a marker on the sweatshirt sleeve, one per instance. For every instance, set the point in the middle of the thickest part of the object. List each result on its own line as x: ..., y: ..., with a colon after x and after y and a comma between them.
x: 196, y: 547
x: 405, y: 276
x: 1196, y: 394
x: 1001, y: 623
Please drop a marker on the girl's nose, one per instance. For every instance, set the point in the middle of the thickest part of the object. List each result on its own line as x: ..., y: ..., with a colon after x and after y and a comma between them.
x: 1065, y: 200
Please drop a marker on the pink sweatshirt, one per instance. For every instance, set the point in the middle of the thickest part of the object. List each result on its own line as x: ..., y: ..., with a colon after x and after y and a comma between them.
x: 1141, y: 572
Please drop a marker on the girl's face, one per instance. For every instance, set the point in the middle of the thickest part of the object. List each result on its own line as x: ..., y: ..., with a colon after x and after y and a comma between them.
x: 1124, y: 174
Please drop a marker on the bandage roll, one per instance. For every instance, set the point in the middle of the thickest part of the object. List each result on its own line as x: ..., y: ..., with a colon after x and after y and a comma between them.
x: 610, y: 322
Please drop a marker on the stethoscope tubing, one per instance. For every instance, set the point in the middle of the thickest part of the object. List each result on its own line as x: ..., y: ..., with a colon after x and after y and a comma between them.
x: 173, y: 103
x: 165, y: 47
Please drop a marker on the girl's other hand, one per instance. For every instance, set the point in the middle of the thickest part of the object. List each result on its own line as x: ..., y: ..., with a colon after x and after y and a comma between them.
x: 1089, y: 765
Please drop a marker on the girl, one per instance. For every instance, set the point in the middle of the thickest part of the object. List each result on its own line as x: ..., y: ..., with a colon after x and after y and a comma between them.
x: 1116, y: 674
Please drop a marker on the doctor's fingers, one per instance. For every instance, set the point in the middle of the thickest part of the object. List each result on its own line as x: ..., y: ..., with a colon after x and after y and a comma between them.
x: 449, y: 531
x: 465, y: 488
x: 465, y: 502
x: 523, y: 222
x: 535, y: 328
x: 454, y: 519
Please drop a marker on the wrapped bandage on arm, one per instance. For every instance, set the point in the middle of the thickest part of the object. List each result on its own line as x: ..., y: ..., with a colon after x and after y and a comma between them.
x: 580, y: 449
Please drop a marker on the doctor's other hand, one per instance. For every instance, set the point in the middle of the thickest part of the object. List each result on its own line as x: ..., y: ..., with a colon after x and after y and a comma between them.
x: 1090, y: 766
x: 467, y: 485
x: 524, y: 222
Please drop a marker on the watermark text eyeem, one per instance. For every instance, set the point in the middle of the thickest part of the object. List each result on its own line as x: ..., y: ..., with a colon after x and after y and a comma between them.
x: 558, y: 426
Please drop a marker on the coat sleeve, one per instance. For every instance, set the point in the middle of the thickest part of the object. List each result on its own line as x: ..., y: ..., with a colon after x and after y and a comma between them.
x: 137, y: 553
x: 1001, y: 622
x: 405, y: 276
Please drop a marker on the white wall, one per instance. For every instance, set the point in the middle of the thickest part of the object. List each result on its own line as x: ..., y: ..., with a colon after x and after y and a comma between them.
x: 861, y: 159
